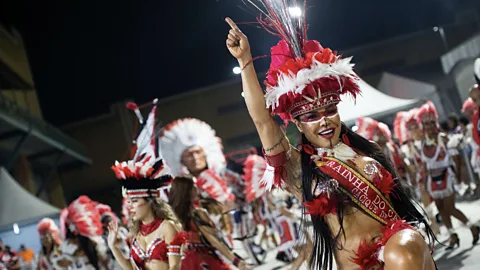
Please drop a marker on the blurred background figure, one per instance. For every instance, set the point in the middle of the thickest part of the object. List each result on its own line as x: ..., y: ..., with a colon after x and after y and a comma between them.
x: 26, y: 255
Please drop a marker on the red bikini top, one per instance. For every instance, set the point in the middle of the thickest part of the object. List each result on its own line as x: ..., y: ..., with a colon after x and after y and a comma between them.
x: 157, y: 249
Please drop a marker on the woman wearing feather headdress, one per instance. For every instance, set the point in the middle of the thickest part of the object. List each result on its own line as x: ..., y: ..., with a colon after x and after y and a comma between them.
x: 50, y: 239
x: 155, y: 233
x: 408, y: 132
x: 347, y: 184
x: 442, y: 162
x: 83, y: 246
x: 191, y: 147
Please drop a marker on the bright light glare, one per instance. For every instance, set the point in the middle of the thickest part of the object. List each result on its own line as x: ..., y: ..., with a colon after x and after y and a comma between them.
x: 435, y: 29
x: 16, y: 229
x: 295, y: 11
x: 237, y: 70
x: 243, y: 95
x: 354, y: 128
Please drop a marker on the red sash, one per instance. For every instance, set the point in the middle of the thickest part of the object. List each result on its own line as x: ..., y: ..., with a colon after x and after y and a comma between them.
x: 361, y: 191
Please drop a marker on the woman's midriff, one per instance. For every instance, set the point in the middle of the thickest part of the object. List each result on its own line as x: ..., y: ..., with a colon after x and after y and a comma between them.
x: 358, y: 227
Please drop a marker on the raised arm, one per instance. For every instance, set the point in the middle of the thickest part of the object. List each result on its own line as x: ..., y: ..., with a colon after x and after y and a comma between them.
x: 124, y: 263
x: 272, y: 137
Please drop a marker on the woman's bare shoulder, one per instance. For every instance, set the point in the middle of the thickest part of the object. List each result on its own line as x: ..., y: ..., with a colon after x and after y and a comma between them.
x: 407, y: 249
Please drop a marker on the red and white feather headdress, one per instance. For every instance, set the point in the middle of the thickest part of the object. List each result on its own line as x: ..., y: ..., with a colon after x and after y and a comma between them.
x: 81, y: 217
x: 469, y: 106
x: 427, y: 112
x: 181, y: 134
x: 367, y: 127
x: 47, y: 226
x: 105, y: 210
x: 370, y: 129
x: 145, y: 175
x: 303, y: 76
x: 400, y: 127
x: 253, y: 171
x: 411, y: 118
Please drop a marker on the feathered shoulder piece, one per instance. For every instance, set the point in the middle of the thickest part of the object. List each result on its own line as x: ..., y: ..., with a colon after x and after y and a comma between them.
x: 253, y: 171
x: 303, y: 76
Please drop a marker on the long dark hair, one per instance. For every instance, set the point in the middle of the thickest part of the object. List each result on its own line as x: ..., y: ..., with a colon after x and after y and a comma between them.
x: 401, y: 199
x: 181, y: 201
x: 87, y: 246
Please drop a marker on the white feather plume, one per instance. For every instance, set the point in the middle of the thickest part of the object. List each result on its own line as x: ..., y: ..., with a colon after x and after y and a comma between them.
x: 290, y: 83
x: 188, y: 132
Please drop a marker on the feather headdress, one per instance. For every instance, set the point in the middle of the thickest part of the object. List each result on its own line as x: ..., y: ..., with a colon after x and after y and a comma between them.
x: 400, y: 127
x: 47, y: 226
x: 303, y: 76
x: 81, y: 217
x: 145, y: 175
x: 427, y: 112
x: 370, y: 129
x: 254, y: 169
x: 181, y: 134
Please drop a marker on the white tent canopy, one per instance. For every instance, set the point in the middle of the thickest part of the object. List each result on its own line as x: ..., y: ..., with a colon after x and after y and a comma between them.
x: 371, y: 103
x: 403, y: 87
x: 18, y: 205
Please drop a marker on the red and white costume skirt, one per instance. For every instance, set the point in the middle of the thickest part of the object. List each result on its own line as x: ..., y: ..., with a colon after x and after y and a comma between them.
x: 440, y: 183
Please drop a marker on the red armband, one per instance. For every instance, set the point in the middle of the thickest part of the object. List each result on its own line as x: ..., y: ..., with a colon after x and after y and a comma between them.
x: 277, y: 160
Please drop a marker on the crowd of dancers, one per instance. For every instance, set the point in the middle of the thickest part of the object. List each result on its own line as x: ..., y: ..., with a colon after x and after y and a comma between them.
x: 354, y: 199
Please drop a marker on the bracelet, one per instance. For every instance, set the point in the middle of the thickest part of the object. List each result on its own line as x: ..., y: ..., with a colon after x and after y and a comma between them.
x: 236, y: 261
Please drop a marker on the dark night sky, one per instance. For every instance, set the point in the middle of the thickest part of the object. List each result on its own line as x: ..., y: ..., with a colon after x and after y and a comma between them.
x: 86, y: 55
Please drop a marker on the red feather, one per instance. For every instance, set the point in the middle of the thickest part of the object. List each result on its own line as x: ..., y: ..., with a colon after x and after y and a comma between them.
x: 367, y: 255
x: 321, y: 206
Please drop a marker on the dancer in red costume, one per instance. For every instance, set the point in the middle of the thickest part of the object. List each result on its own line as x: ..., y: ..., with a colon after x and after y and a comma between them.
x: 204, y: 242
x: 50, y: 239
x: 409, y: 134
x: 439, y: 159
x: 155, y: 233
x: 154, y: 229
x: 347, y: 184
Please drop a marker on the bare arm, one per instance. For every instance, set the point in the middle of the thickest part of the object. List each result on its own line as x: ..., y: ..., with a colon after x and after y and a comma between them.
x: 210, y: 234
x: 112, y: 240
x: 169, y: 233
x: 272, y: 137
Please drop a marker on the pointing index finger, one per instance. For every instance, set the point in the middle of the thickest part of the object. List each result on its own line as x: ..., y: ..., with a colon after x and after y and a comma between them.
x: 232, y: 24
